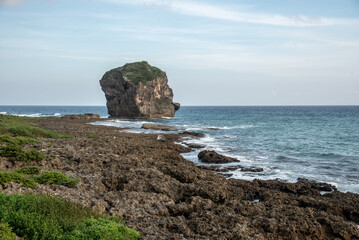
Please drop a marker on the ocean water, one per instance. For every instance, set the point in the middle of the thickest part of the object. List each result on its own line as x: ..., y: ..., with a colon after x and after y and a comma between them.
x: 318, y: 142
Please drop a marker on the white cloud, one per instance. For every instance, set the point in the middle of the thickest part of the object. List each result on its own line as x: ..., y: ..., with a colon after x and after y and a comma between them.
x: 218, y: 12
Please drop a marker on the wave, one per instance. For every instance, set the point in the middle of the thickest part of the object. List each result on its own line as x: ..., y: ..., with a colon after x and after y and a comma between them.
x: 3, y: 113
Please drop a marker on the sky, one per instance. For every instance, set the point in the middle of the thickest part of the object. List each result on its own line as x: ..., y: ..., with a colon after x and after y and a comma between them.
x: 229, y: 52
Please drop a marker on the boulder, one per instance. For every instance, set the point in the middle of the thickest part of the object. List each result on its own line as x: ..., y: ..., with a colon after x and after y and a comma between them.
x: 138, y: 90
x: 213, y: 157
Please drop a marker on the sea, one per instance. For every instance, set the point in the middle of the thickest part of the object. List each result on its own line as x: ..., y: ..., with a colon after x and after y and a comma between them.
x: 319, y: 143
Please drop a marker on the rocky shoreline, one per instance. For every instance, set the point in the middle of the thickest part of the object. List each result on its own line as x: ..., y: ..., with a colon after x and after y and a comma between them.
x: 146, y: 181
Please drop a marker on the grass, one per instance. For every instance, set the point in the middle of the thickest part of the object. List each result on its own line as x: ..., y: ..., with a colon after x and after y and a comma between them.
x: 30, y: 176
x: 20, y: 126
x: 45, y: 217
x: 138, y: 72
x: 16, y: 132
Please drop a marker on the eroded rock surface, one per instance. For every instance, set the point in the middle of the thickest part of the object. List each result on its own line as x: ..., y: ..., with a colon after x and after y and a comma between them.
x: 138, y: 90
x: 163, y: 196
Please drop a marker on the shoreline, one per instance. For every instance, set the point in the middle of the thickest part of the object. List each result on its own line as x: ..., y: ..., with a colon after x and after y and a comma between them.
x: 164, y: 196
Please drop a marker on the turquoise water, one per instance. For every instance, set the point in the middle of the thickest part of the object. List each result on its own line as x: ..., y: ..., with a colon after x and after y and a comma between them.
x: 319, y: 143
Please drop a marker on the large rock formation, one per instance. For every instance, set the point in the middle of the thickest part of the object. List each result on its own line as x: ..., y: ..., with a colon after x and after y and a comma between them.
x: 138, y: 90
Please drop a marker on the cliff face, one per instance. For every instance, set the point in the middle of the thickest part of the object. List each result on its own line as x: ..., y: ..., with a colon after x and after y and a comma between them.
x: 138, y: 90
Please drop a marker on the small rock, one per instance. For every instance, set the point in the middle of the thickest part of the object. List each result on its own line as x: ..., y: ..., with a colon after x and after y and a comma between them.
x: 213, y: 157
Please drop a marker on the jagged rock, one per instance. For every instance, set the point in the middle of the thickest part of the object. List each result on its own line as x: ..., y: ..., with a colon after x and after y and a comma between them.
x: 138, y: 90
x: 213, y: 157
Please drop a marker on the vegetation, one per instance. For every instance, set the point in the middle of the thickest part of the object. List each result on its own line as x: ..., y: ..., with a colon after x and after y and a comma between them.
x: 92, y: 136
x: 29, y: 177
x: 6, y: 232
x: 16, y: 132
x: 138, y: 72
x: 20, y: 126
x: 45, y: 217
x: 54, y: 177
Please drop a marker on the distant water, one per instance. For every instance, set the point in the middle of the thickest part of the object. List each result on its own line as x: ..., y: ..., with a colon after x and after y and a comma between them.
x: 318, y: 142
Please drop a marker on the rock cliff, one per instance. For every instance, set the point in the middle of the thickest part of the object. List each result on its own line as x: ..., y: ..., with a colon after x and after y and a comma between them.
x: 138, y: 90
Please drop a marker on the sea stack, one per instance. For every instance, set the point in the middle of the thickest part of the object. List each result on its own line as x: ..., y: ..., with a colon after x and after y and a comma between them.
x: 138, y: 90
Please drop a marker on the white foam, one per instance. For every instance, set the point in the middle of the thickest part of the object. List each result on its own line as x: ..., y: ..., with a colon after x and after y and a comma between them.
x: 57, y: 114
x: 3, y: 113
x: 179, y: 143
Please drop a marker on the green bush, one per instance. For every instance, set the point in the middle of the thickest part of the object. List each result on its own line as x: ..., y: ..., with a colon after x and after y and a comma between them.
x: 12, y: 176
x: 45, y: 217
x: 54, y: 177
x: 29, y: 170
x: 102, y: 229
x: 22, y: 141
x: 18, y: 154
x: 26, y: 176
x: 6, y: 232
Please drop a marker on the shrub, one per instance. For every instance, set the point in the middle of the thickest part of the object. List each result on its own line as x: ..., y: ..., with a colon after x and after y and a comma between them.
x: 102, y: 229
x: 19, y: 154
x: 29, y: 170
x: 6, y: 232
x: 12, y: 176
x: 45, y: 217
x: 54, y: 177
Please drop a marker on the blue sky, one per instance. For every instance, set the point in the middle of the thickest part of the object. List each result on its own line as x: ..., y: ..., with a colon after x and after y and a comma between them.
x: 285, y: 52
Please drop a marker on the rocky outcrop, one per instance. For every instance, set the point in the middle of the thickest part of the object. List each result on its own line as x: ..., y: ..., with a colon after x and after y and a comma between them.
x: 138, y: 90
x: 213, y: 157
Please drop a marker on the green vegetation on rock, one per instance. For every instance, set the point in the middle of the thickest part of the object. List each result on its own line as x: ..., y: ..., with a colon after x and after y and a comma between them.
x: 20, y: 126
x: 138, y: 72
x: 30, y: 176
x: 16, y: 132
x: 54, y: 177
x: 45, y: 217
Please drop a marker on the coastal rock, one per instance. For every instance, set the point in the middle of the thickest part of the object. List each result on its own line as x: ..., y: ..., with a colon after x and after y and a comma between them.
x: 86, y: 116
x: 147, y: 182
x: 159, y: 127
x: 193, y: 134
x: 138, y: 90
x: 213, y: 157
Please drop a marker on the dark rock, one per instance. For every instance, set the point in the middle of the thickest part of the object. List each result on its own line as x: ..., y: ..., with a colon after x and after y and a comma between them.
x: 320, y: 186
x: 159, y: 127
x: 138, y: 90
x: 213, y: 128
x: 193, y: 134
x: 85, y: 116
x: 193, y: 145
x: 252, y: 169
x: 213, y: 157
x: 227, y: 169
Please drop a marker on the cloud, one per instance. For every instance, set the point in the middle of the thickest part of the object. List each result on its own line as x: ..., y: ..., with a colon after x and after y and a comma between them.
x: 11, y: 3
x: 217, y: 12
